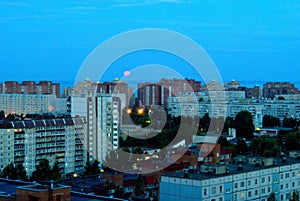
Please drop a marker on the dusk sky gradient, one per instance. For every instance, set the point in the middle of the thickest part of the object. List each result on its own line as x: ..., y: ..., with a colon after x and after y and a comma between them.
x: 255, y: 40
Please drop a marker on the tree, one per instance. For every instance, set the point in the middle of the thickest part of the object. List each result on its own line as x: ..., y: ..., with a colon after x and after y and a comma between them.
x: 119, y: 192
x: 42, y: 171
x: 241, y: 147
x: 292, y: 141
x: 229, y: 123
x: 223, y: 141
x: 2, y: 115
x: 9, y: 172
x: 244, y: 125
x: 270, y: 121
x: 295, y: 196
x: 266, y: 147
x: 289, y: 122
x: 205, y: 122
x: 21, y: 172
x: 91, y: 169
x: 139, y: 187
x: 271, y: 197
x: 14, y: 172
x: 55, y: 171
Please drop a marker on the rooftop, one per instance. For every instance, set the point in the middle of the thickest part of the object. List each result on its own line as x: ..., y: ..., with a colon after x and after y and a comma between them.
x: 232, y: 169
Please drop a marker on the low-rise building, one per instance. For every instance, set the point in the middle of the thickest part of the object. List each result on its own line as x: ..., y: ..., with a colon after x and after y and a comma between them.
x: 235, y: 182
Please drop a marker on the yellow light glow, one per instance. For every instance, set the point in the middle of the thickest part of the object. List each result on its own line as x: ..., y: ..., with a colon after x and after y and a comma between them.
x: 140, y: 111
x: 129, y: 111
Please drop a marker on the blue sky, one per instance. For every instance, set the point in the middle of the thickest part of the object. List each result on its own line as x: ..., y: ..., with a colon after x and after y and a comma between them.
x: 248, y: 40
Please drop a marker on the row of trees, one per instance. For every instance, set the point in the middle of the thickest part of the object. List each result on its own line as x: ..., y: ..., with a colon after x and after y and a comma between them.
x: 288, y: 122
x: 14, y: 172
x: 43, y: 171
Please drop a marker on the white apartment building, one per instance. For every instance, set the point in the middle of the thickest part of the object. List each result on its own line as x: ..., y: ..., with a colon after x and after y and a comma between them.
x: 32, y: 104
x: 218, y: 108
x: 27, y: 142
x: 102, y: 112
x: 251, y: 183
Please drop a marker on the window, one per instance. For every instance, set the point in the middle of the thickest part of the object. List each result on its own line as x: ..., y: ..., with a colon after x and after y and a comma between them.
x: 249, y: 194
x: 213, y: 190
x: 235, y: 185
x: 256, y: 192
x: 220, y: 189
x: 263, y: 180
x: 255, y: 181
x: 205, y: 192
x: 242, y: 184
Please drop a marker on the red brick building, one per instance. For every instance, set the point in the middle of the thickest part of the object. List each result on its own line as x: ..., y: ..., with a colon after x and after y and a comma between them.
x: 271, y: 89
x: 43, y: 193
x: 30, y: 87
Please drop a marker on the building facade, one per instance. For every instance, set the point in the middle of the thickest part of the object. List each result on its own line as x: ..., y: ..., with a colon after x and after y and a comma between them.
x: 30, y: 87
x: 27, y: 142
x: 102, y: 112
x: 252, y: 184
x: 32, y: 104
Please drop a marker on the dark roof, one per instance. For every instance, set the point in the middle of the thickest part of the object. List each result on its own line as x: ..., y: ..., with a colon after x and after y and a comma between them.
x: 29, y: 124
x: 59, y: 122
x: 18, y: 124
x: 49, y: 122
x: 78, y: 121
x: 69, y: 122
x: 39, y: 123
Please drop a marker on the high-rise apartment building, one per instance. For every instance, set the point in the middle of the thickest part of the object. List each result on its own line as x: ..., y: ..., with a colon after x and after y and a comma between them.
x: 103, y: 113
x: 27, y: 142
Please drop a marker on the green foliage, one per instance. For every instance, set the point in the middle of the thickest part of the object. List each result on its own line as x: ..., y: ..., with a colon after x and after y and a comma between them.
x: 92, y: 169
x: 205, y: 122
x: 229, y: 123
x: 270, y: 121
x: 295, y: 196
x: 43, y: 171
x: 244, y: 125
x: 2, y: 115
x: 266, y: 147
x: 271, y: 197
x: 119, y: 192
x: 14, y: 172
x: 292, y: 141
x: 139, y: 187
x: 241, y: 147
x: 290, y: 122
x: 55, y: 171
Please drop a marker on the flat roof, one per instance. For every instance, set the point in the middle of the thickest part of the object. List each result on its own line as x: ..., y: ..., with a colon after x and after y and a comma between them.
x: 233, y: 169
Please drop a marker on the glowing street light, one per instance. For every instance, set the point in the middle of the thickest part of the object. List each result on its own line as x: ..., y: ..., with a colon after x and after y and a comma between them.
x: 129, y: 110
x: 140, y: 111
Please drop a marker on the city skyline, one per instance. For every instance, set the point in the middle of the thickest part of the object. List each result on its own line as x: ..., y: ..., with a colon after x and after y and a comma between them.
x: 255, y: 41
